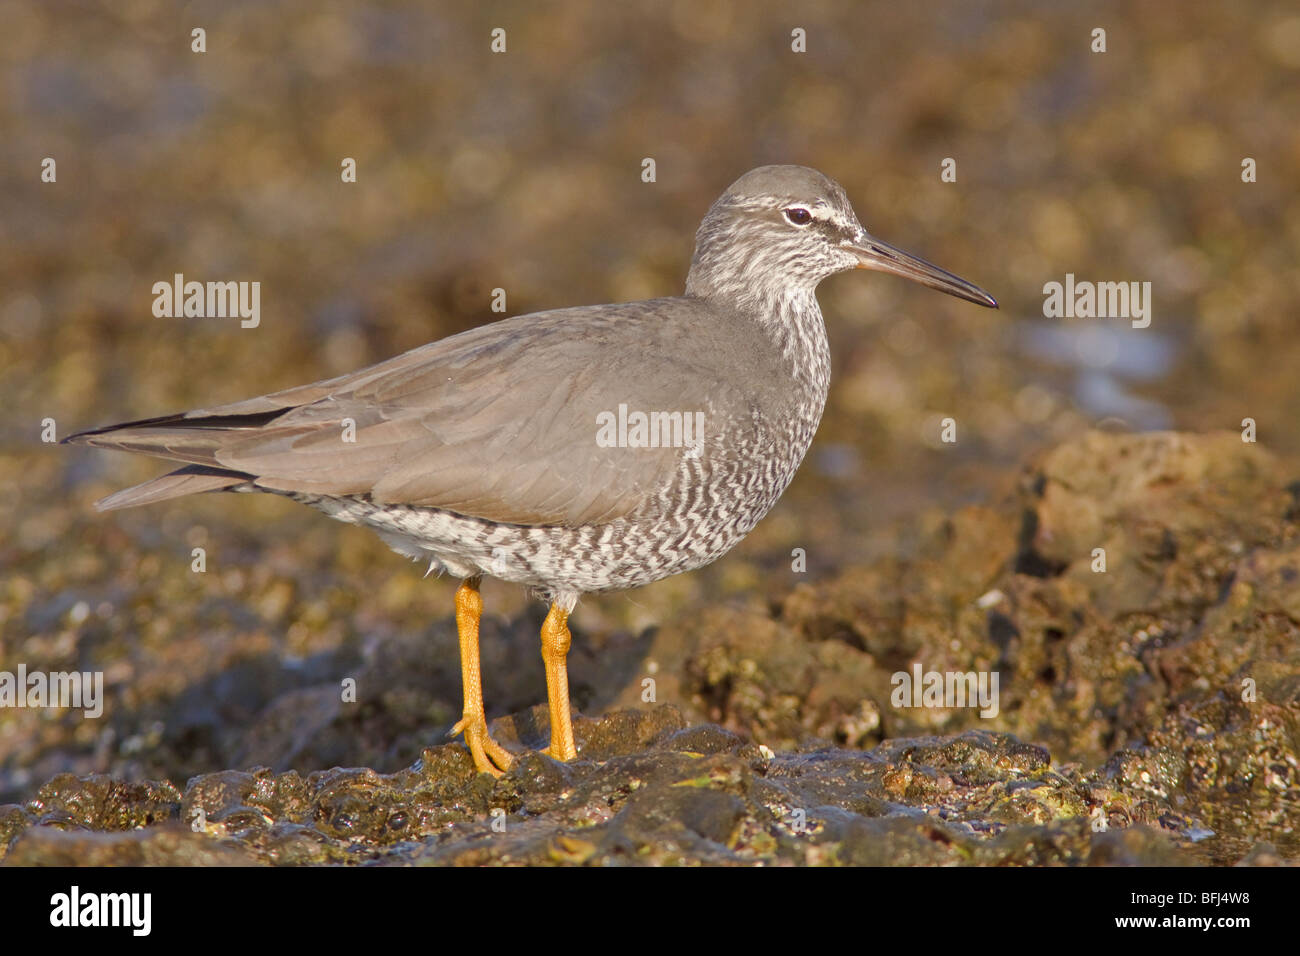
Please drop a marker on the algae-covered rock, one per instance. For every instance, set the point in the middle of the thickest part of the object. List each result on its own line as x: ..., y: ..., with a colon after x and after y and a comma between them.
x: 1138, y: 599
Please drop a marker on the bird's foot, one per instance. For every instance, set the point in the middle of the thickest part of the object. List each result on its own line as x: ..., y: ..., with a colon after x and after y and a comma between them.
x: 562, y: 750
x: 489, y: 756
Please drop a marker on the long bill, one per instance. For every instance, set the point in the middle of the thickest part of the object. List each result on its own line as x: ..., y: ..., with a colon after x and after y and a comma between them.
x: 881, y: 256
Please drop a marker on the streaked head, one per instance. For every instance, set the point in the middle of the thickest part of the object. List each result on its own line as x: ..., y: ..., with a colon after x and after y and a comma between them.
x: 780, y: 230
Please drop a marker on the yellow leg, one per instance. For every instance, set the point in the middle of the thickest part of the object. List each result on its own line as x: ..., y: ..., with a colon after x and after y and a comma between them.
x: 489, y: 756
x: 555, y: 651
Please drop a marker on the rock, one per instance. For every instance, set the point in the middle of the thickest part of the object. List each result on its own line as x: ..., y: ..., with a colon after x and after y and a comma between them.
x: 1146, y: 713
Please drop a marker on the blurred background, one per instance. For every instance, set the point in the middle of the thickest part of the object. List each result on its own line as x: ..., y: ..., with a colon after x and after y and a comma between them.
x: 522, y: 170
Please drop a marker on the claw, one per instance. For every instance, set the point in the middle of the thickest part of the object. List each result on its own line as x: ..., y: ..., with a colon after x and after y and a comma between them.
x: 489, y: 756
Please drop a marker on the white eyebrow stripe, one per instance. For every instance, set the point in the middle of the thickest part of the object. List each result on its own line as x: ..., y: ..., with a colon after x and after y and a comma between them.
x: 823, y: 212
x: 819, y: 210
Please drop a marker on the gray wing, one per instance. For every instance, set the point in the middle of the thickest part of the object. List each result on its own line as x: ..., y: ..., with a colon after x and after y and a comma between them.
x: 499, y: 422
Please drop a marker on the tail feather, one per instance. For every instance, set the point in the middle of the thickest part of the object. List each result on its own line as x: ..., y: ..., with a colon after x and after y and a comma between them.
x: 189, y: 480
x: 190, y: 439
x: 178, y: 437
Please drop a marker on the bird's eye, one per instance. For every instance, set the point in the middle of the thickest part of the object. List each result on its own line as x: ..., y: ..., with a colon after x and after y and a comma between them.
x: 798, y: 215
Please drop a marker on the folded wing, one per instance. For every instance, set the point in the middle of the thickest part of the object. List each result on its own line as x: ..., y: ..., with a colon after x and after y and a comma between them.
x: 499, y: 423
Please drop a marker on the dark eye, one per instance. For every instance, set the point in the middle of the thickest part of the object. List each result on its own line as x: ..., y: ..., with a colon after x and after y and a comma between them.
x: 798, y: 215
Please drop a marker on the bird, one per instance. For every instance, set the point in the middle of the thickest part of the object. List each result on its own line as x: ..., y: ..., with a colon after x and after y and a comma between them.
x: 575, y: 451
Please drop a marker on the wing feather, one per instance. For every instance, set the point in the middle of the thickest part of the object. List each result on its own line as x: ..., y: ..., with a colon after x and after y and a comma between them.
x: 499, y: 422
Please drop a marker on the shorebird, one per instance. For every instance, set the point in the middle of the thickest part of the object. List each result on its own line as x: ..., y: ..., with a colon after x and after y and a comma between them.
x: 573, y: 451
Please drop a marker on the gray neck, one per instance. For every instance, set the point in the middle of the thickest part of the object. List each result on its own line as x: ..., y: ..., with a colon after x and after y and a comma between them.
x: 738, y: 266
x: 791, y: 320
x: 798, y: 329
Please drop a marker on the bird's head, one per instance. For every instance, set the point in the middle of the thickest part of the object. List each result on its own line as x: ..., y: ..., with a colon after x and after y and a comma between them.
x: 779, y: 230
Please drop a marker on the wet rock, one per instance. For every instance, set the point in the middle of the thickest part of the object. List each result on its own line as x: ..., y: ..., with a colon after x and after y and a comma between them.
x: 163, y: 846
x: 690, y: 795
x: 100, y: 803
x: 1146, y: 713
